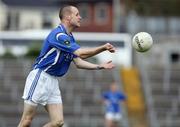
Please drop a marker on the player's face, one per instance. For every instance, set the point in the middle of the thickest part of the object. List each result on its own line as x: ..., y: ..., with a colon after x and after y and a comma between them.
x: 113, y: 87
x: 75, y: 18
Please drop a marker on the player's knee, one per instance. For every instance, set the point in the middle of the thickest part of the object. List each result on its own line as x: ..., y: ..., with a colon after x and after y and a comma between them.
x: 26, y: 122
x: 59, y: 123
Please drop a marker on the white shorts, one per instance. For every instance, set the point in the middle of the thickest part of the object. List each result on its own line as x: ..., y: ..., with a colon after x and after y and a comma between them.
x: 41, y: 88
x: 113, y: 116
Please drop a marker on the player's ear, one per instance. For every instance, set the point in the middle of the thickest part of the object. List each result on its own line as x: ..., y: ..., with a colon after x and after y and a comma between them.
x: 68, y: 17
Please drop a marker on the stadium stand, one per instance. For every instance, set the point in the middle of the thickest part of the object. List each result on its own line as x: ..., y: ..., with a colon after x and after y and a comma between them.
x: 160, y: 79
x: 131, y: 81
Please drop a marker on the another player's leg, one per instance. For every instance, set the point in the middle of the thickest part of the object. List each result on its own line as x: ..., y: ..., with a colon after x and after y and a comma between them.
x: 117, y: 118
x: 115, y: 124
x: 56, y: 115
x: 109, y: 119
x: 109, y: 123
x: 28, y: 114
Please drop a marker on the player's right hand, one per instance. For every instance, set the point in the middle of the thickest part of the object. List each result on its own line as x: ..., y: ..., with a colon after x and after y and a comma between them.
x: 107, y: 65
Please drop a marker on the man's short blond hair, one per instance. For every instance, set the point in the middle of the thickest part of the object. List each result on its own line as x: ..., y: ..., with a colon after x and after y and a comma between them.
x: 65, y: 11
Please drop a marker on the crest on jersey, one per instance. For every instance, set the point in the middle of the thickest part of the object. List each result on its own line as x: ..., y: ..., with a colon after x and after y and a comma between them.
x: 67, y: 43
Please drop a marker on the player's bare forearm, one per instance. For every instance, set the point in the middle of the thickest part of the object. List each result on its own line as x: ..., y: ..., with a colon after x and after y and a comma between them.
x: 82, y: 64
x: 89, y: 52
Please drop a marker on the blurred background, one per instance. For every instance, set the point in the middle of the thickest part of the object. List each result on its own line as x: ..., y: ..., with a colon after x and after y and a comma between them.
x: 150, y: 80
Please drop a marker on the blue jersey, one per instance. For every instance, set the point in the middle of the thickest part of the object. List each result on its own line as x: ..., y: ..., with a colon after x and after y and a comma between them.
x: 57, y: 52
x: 113, y: 100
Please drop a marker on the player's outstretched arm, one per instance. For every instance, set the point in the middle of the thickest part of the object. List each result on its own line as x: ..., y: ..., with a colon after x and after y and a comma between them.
x: 82, y: 64
x: 89, y: 52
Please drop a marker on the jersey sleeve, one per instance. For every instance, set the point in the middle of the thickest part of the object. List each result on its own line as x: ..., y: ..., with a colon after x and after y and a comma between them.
x: 105, y: 95
x: 121, y: 96
x: 63, y: 42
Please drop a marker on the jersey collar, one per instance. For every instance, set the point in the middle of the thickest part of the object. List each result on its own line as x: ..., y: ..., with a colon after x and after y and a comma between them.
x: 62, y: 27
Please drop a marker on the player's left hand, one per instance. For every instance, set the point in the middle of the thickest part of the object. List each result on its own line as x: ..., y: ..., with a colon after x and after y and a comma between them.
x: 110, y: 47
x: 108, y: 65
